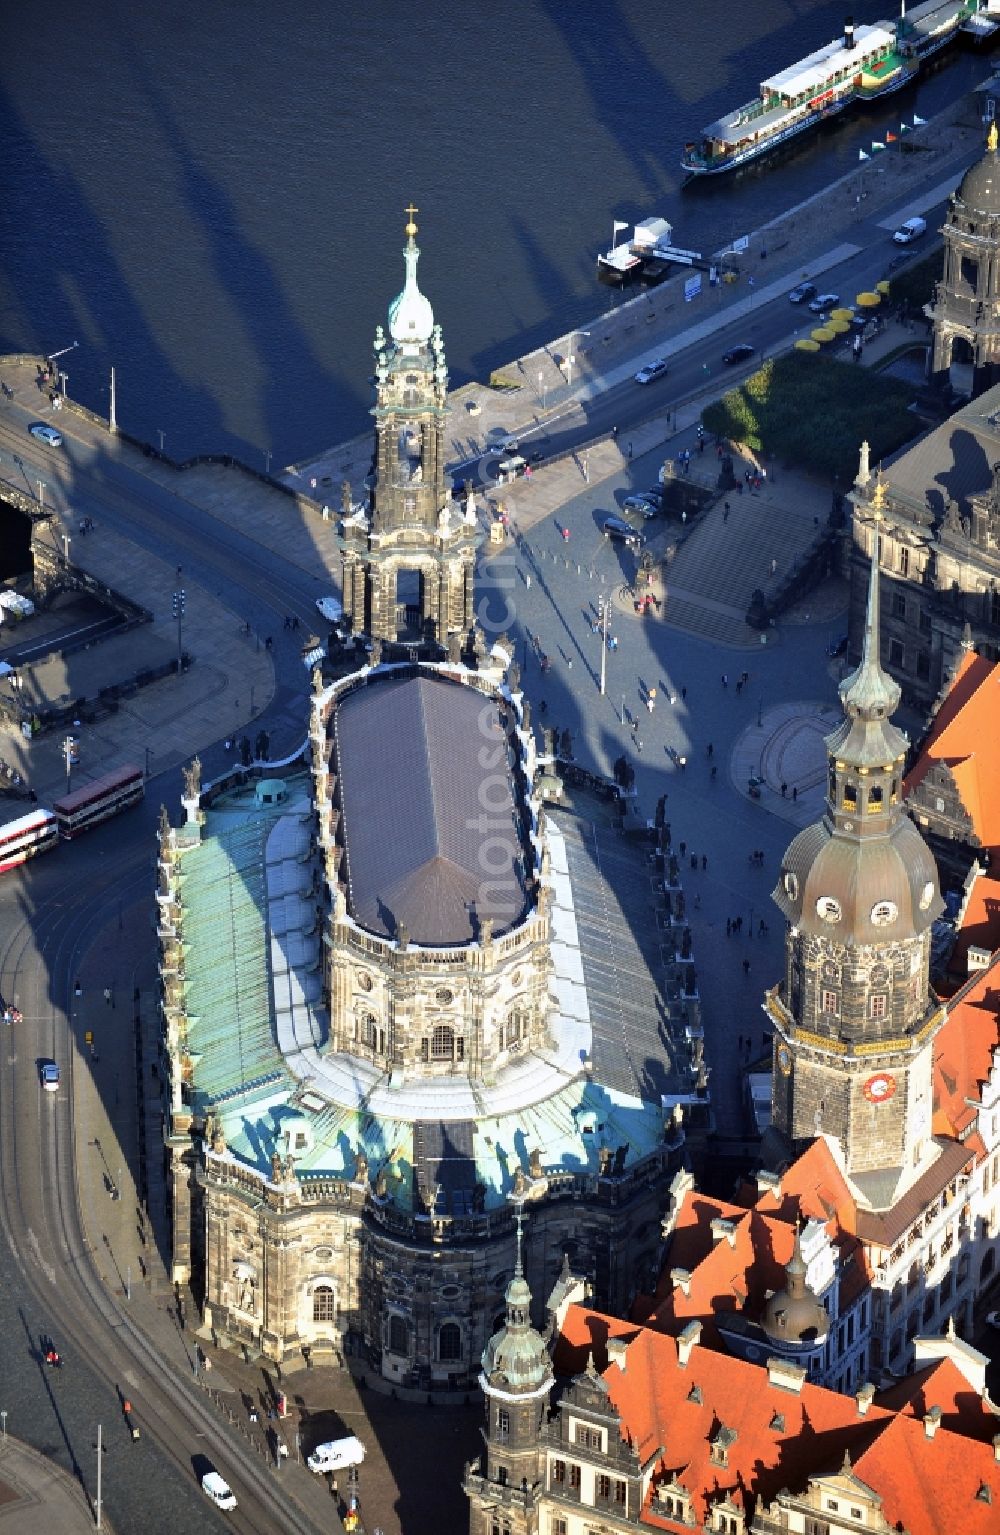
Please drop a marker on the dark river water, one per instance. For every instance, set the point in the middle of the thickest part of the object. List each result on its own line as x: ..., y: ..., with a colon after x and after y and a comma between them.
x: 210, y: 196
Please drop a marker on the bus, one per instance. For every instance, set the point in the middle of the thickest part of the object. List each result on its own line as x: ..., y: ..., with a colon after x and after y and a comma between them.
x: 84, y: 808
x: 23, y: 838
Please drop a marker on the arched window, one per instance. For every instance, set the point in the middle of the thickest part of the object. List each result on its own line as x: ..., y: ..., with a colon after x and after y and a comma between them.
x: 399, y: 1334
x: 368, y: 1030
x: 443, y: 1043
x: 450, y: 1341
x: 323, y: 1303
x: 874, y: 799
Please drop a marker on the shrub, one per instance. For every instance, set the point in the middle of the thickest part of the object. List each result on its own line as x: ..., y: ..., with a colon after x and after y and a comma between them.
x: 815, y: 412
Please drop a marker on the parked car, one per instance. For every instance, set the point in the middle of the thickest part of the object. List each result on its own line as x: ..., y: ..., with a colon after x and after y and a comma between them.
x: 46, y: 433
x: 652, y: 370
x: 49, y: 1074
x: 615, y: 527
x: 824, y: 301
x: 638, y: 502
x: 505, y: 442
x: 802, y: 292
x: 739, y: 353
x: 337, y: 1454
x: 911, y: 230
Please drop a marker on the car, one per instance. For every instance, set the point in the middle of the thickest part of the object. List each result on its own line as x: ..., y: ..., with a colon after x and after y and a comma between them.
x: 615, y: 527
x: 639, y: 503
x: 49, y: 1074
x: 337, y: 1454
x: 330, y: 608
x: 802, y: 292
x: 652, y: 370
x: 824, y: 301
x: 46, y: 433
x: 505, y: 442
x: 739, y: 353
x: 219, y: 1490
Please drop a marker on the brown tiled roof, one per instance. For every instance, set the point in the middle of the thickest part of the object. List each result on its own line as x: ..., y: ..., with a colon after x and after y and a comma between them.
x: 884, y: 1228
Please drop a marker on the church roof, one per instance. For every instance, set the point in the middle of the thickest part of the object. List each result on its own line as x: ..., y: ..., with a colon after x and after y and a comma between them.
x: 412, y: 784
x: 965, y: 736
x: 954, y: 462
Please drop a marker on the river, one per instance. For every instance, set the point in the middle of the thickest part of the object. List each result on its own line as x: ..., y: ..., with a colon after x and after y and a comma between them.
x: 211, y: 197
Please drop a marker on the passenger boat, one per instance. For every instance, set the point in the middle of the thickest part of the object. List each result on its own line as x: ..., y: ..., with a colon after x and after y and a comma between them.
x: 867, y: 63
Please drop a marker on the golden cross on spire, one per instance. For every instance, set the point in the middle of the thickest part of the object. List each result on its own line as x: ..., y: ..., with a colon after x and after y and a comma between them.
x: 991, y: 138
x: 878, y: 498
x: 411, y: 227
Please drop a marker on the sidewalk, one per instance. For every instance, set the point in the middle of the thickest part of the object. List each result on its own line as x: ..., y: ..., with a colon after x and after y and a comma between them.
x: 35, y: 1494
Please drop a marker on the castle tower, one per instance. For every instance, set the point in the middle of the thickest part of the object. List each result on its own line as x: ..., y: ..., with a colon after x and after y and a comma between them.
x: 516, y: 1380
x: 409, y: 563
x: 966, y: 308
x: 854, y: 1018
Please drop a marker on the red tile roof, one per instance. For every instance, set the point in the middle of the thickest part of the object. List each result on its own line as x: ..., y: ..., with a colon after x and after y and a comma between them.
x: 942, y: 1384
x: 782, y: 1437
x: 963, y: 1052
x: 980, y: 924
x: 965, y: 735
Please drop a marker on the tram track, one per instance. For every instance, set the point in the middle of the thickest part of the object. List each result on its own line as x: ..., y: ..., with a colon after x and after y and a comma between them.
x: 40, y: 1214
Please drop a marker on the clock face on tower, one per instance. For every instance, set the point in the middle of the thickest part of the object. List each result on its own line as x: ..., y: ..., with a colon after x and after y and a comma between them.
x: 828, y: 907
x: 880, y: 1087
x: 883, y: 913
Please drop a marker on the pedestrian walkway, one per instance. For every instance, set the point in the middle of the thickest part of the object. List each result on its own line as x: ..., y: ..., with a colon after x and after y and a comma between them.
x: 36, y: 1495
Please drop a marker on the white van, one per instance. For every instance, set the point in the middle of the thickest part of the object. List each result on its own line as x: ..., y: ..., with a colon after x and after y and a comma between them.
x: 910, y: 231
x: 337, y: 1454
x: 218, y: 1490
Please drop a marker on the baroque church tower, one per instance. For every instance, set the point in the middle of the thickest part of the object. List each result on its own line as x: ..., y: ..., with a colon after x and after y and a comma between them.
x: 409, y: 558
x: 854, y: 1018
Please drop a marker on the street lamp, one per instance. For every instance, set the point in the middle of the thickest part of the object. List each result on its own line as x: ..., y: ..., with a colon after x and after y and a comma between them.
x: 67, y: 540
x: 41, y: 492
x: 603, y: 607
x: 162, y: 436
x: 69, y: 752
x: 3, y: 1423
x: 179, y: 604
x: 570, y: 360
x: 542, y: 390
x: 267, y: 460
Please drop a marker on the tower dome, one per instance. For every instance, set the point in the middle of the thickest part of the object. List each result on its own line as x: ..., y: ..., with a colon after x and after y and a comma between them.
x: 411, y: 318
x: 979, y: 188
x: 794, y: 1314
x: 516, y: 1358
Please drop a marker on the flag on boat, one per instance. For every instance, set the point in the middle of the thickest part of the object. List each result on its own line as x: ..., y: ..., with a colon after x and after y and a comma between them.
x: 918, y: 122
x: 904, y: 127
x: 862, y: 155
x: 619, y: 225
x: 876, y: 146
x: 891, y: 138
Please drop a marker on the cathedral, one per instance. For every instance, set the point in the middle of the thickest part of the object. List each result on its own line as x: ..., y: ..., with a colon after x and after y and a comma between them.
x: 408, y: 987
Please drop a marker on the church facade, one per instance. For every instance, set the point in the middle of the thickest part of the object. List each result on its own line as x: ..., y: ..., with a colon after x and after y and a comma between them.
x: 387, y: 1021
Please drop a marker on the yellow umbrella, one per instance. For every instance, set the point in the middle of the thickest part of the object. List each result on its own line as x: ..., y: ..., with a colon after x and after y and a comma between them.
x: 884, y: 287
x: 869, y: 300
x: 841, y: 314
x: 807, y: 346
x: 822, y: 334
x: 839, y: 327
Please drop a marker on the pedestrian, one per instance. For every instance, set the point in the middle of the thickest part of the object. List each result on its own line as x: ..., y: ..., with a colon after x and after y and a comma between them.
x: 697, y: 902
x: 628, y: 451
x: 725, y: 680
x: 760, y: 928
x: 795, y: 791
x: 746, y: 967
x: 714, y: 773
x: 784, y: 789
x: 739, y: 924
x: 725, y: 513
x: 704, y: 862
x: 228, y: 744
x: 614, y: 433
x: 569, y: 663
x: 683, y: 848
x: 527, y: 580
x: 739, y: 687
x: 684, y: 694
x: 107, y: 995
x: 739, y: 1043
x: 710, y: 750
x: 694, y: 860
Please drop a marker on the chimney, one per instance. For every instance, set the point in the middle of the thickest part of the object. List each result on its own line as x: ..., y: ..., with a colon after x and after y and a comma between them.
x: 864, y: 1396
x: 849, y: 34
x: 787, y: 1376
x: 932, y: 1421
x: 617, y: 1349
x: 769, y: 1183
x: 686, y: 1342
x: 721, y: 1228
x: 681, y: 1277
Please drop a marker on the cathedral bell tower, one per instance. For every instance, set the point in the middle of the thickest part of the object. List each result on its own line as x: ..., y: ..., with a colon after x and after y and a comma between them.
x: 855, y: 1019
x: 409, y: 559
